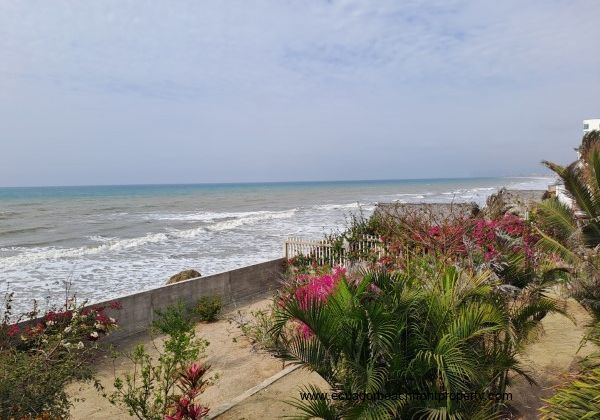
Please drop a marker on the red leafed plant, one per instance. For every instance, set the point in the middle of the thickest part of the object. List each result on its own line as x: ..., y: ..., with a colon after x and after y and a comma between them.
x: 191, y: 384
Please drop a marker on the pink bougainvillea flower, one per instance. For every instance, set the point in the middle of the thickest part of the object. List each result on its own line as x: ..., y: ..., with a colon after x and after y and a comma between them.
x: 338, y: 272
x: 316, y: 290
x: 116, y: 305
x: 490, y: 254
x: 434, y: 231
x: 305, y: 330
x: 50, y: 316
x: 374, y: 289
x: 102, y: 318
x: 313, y: 290
x: 13, y: 330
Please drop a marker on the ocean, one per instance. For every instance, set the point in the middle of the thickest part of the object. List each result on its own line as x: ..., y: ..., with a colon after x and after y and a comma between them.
x: 110, y: 241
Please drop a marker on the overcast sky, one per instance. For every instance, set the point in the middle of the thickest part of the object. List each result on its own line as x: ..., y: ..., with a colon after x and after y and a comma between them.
x: 121, y: 92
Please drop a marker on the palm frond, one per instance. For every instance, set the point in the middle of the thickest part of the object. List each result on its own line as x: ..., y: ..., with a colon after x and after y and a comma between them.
x: 553, y: 246
x: 316, y: 408
x: 381, y: 409
x: 575, y: 186
x: 557, y: 218
x: 578, y: 400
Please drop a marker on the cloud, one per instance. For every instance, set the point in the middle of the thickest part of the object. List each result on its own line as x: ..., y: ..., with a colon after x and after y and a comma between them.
x: 259, y: 71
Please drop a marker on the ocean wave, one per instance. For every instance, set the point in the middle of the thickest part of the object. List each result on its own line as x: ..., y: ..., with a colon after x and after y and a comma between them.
x: 29, y: 255
x: 24, y: 230
x: 232, y: 224
x: 5, y: 214
x: 532, y: 183
x: 339, y: 206
x: 51, y: 253
x: 204, y: 216
x: 100, y: 238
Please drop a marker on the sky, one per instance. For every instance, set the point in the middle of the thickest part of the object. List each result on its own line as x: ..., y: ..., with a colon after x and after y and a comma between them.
x: 136, y: 92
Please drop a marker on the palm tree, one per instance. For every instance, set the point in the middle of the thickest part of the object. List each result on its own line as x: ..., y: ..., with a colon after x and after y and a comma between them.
x: 574, y: 234
x: 582, y: 182
x: 427, y: 331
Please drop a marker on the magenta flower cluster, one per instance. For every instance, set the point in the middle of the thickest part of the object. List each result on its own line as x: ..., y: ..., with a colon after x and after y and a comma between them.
x: 485, y: 235
x: 315, y: 289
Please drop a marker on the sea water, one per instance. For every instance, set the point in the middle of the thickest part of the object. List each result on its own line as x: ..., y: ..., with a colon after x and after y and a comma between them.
x: 109, y: 241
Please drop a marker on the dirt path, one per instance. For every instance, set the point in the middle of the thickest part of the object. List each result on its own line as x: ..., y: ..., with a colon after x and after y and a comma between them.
x: 231, y: 357
x: 270, y: 403
x: 551, y: 359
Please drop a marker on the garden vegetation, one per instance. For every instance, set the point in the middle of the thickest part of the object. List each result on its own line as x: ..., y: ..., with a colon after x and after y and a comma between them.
x: 444, y: 305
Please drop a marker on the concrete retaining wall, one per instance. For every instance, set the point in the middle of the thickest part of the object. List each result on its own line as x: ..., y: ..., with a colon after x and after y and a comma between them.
x: 235, y: 286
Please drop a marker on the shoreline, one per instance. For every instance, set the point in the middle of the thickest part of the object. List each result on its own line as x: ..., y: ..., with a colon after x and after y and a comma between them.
x: 111, y: 248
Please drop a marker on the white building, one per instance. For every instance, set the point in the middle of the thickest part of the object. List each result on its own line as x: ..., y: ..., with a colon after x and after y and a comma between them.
x: 562, y: 195
x: 558, y: 189
x: 589, y: 125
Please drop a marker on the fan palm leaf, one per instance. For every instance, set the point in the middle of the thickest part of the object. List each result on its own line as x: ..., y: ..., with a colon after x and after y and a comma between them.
x: 551, y: 245
x: 316, y: 406
x: 557, y: 218
x: 575, y: 186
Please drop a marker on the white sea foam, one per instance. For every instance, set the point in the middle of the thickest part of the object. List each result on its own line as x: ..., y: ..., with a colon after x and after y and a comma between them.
x: 232, y: 224
x: 100, y: 238
x: 53, y: 253
x: 531, y: 183
x: 112, y: 245
x: 203, y: 216
x: 339, y: 206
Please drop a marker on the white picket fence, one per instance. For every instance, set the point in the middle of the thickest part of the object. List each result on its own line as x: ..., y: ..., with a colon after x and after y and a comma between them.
x: 324, y: 253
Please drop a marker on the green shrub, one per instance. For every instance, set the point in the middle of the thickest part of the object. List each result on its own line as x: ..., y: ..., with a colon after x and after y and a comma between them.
x: 38, y: 360
x: 257, y: 327
x: 151, y: 389
x: 174, y: 319
x: 209, y: 307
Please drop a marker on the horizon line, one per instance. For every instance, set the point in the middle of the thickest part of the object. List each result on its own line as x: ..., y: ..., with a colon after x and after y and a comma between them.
x: 273, y: 182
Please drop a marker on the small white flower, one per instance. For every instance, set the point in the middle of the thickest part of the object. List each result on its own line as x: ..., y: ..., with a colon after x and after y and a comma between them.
x: 65, y: 344
x: 112, y: 320
x: 49, y: 323
x: 94, y: 334
x: 80, y: 345
x: 68, y: 329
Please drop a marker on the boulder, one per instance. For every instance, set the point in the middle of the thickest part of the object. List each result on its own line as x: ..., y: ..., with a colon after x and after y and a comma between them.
x: 184, y: 275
